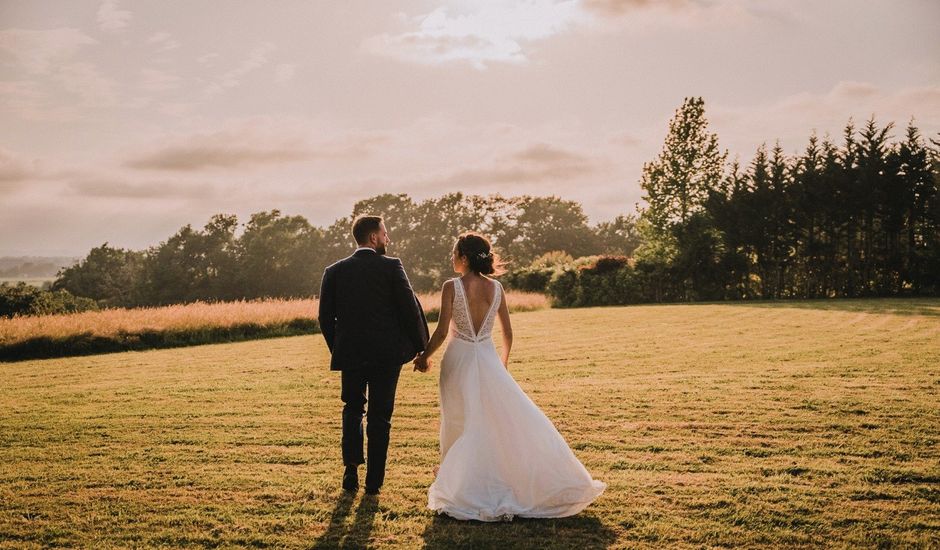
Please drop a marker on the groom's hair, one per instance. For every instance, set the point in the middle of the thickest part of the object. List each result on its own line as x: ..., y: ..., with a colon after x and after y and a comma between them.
x: 363, y: 226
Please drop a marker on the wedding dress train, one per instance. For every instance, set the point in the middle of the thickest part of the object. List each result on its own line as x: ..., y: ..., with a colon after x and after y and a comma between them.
x: 501, y: 457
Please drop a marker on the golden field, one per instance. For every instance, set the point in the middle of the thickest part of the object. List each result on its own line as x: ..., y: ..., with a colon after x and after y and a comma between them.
x: 786, y: 424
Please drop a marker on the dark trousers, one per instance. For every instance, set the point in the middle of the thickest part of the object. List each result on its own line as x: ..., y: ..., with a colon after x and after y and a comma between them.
x: 381, y: 382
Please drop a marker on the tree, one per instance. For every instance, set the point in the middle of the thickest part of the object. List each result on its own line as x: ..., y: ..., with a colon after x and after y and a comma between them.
x: 727, y: 207
x: 619, y: 236
x: 194, y: 265
x: 873, y: 186
x: 911, y: 221
x: 110, y: 276
x: 677, y: 186
x: 551, y: 223
x: 690, y: 164
x: 279, y: 256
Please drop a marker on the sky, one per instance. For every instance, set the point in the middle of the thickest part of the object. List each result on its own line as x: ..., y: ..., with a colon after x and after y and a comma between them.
x: 123, y: 121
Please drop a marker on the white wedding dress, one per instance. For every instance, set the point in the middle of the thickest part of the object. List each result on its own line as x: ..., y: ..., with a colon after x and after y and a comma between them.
x: 501, y: 457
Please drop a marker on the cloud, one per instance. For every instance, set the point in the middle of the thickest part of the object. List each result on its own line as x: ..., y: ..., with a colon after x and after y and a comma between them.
x: 155, y: 80
x: 16, y: 170
x: 793, y: 118
x: 29, y: 100
x: 164, y: 41
x: 617, y: 8
x: 257, y: 58
x: 625, y: 140
x: 534, y: 164
x: 684, y: 13
x: 176, y: 108
x: 85, y: 81
x: 543, y: 153
x: 48, y: 57
x: 483, y: 33
x: 118, y: 188
x: 284, y: 73
x: 210, y: 154
x: 490, y: 32
x: 207, y: 58
x: 251, y: 142
x: 110, y: 18
x: 39, y: 51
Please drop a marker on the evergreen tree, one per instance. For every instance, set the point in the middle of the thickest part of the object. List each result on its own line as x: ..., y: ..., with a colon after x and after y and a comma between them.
x: 873, y: 187
x: 917, y: 191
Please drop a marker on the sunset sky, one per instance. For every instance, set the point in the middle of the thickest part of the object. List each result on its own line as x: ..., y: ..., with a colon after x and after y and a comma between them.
x: 123, y: 121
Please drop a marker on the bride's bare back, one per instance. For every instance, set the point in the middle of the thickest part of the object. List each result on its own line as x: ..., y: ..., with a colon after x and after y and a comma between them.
x: 480, y: 293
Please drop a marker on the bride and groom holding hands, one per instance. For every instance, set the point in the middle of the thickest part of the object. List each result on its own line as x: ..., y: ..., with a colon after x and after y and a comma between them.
x: 500, y: 456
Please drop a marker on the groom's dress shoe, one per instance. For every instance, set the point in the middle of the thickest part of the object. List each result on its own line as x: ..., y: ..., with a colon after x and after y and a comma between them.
x: 351, y: 479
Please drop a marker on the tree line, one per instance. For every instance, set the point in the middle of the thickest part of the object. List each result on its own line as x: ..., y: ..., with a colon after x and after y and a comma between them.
x: 275, y: 255
x: 850, y: 219
x: 857, y: 218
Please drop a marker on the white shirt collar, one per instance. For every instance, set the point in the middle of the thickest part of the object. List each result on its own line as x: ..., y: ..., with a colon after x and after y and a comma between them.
x: 364, y: 248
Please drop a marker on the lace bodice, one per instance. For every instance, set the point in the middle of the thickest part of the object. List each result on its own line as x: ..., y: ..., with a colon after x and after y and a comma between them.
x: 462, y: 324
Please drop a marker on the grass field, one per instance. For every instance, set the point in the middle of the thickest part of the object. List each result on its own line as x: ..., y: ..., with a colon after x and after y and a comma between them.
x: 799, y: 424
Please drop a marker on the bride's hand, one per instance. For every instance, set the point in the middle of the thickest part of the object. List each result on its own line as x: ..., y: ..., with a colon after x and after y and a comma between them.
x: 421, y: 363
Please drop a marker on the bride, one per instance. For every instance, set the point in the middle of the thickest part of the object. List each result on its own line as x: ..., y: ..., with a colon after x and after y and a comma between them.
x: 501, y: 457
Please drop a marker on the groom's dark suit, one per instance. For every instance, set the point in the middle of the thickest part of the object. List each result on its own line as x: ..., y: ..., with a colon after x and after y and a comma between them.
x: 373, y: 323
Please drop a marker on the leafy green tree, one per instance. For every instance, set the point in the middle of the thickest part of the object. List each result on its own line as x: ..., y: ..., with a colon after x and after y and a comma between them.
x: 551, y: 223
x: 194, y: 265
x: 110, y: 276
x: 618, y: 236
x: 400, y: 214
x: 690, y: 164
x: 439, y: 223
x: 279, y: 256
x: 677, y: 186
x: 25, y: 299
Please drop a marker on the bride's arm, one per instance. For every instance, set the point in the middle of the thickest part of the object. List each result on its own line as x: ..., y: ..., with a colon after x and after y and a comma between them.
x: 443, y: 320
x: 503, y: 313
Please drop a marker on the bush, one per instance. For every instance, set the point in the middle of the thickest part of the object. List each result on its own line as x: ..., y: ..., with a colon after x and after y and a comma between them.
x: 529, y: 279
x: 24, y: 299
x: 536, y: 276
x: 563, y: 288
x: 596, y: 281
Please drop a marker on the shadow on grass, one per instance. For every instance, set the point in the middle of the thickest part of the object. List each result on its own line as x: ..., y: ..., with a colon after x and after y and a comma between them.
x: 894, y: 306
x: 339, y: 534
x: 580, y: 532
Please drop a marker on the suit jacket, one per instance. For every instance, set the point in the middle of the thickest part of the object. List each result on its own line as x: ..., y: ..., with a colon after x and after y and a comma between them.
x: 369, y: 313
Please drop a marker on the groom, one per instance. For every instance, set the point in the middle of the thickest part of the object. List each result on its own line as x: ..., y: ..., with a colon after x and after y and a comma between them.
x: 373, y: 323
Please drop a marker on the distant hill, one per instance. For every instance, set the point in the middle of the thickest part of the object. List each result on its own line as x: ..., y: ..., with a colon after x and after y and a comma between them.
x: 32, y: 267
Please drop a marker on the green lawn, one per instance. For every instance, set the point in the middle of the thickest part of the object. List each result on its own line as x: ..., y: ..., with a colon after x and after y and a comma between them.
x: 785, y: 424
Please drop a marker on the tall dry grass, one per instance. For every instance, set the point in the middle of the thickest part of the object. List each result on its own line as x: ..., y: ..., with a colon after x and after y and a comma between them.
x: 197, y: 316
x: 518, y: 301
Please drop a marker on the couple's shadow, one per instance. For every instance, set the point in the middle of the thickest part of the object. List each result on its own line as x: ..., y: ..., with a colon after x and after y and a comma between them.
x: 581, y: 531
x: 340, y: 535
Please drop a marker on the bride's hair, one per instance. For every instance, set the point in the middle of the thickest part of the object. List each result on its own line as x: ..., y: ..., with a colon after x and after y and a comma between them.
x: 480, y: 257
